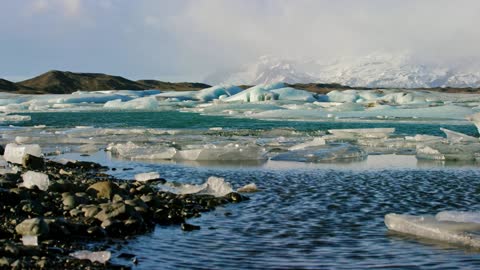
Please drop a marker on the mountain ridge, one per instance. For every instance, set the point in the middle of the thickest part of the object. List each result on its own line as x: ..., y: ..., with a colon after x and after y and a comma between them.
x: 66, y: 82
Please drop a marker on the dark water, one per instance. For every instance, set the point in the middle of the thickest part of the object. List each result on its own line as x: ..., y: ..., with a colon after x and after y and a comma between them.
x: 315, y: 219
x: 174, y: 119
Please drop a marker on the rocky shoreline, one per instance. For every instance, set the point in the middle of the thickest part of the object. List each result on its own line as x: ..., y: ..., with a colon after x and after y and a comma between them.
x: 83, y: 208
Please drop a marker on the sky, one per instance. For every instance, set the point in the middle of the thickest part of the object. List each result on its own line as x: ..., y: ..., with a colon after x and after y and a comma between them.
x: 186, y: 40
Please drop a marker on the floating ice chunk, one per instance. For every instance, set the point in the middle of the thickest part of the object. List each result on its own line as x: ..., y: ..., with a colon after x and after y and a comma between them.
x: 457, y: 137
x: 143, y: 103
x: 362, y: 133
x: 14, y: 153
x: 458, y: 216
x: 315, y: 142
x: 252, y: 187
x: 346, y: 107
x: 444, y: 151
x: 31, y: 179
x: 215, y: 186
x: 323, y: 153
x: 30, y: 240
x: 215, y: 92
x: 424, y: 138
x: 256, y: 93
x: 143, y: 177
x: 429, y: 227
x: 133, y: 151
x: 93, y: 256
x: 222, y: 153
x: 289, y: 93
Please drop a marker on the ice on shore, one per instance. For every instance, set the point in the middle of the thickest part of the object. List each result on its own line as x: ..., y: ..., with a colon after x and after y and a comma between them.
x: 460, y: 233
x: 14, y: 153
x: 215, y: 186
x: 325, y: 153
x: 31, y: 179
x: 93, y: 256
x: 143, y: 177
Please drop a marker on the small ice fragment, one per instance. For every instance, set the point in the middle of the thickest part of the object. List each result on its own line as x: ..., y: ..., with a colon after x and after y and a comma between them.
x: 142, y: 177
x: 214, y: 186
x: 14, y: 153
x: 93, y: 256
x: 458, y: 216
x: 252, y: 187
x: 362, y: 132
x: 30, y: 240
x: 32, y: 178
x: 430, y: 227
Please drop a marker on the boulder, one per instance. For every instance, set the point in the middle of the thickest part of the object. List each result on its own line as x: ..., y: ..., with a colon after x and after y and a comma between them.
x: 33, y: 226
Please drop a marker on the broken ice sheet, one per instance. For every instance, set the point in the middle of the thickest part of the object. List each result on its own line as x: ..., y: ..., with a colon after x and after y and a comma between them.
x: 460, y: 233
x: 329, y: 152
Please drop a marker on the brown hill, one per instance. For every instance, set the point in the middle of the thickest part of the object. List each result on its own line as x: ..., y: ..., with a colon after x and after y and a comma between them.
x: 181, y: 86
x: 8, y: 85
x: 64, y: 82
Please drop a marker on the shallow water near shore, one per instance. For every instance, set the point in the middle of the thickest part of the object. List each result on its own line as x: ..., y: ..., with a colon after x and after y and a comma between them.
x: 313, y: 216
x: 305, y: 216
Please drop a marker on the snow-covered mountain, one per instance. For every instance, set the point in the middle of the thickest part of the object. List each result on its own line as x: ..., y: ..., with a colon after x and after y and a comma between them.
x: 376, y: 70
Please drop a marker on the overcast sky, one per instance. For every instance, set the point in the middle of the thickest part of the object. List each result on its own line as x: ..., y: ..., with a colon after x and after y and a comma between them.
x: 186, y: 40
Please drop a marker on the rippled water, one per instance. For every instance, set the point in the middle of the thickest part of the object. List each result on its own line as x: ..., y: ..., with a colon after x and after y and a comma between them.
x: 306, y: 216
x: 312, y: 218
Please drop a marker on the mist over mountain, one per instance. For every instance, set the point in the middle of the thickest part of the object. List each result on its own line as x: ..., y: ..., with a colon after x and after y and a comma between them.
x: 374, y: 70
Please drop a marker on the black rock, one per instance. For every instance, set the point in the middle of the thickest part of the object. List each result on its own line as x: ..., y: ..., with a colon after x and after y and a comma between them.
x: 189, y: 227
x: 33, y: 162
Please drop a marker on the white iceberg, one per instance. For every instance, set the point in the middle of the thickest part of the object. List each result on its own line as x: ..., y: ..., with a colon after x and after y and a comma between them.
x: 143, y: 103
x: 14, y: 153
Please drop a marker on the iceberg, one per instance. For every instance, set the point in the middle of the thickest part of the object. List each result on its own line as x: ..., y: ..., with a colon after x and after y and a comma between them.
x: 215, y: 92
x: 14, y: 153
x: 31, y: 179
x: 256, y: 93
x: 458, y: 216
x: 460, y: 233
x: 292, y: 94
x: 315, y: 142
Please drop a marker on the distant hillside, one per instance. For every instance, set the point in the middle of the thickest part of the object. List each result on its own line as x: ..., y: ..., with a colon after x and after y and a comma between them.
x: 182, y: 86
x: 64, y: 82
x: 8, y: 86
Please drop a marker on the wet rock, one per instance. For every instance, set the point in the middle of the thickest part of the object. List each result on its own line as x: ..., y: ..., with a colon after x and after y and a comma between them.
x: 189, y: 227
x: 32, y: 162
x: 33, y: 226
x: 2, y: 150
x: 105, y: 189
x: 68, y: 201
x: 115, y: 211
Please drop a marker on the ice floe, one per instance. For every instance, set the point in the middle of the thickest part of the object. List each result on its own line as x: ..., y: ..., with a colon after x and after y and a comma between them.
x: 215, y: 186
x: 446, y: 227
